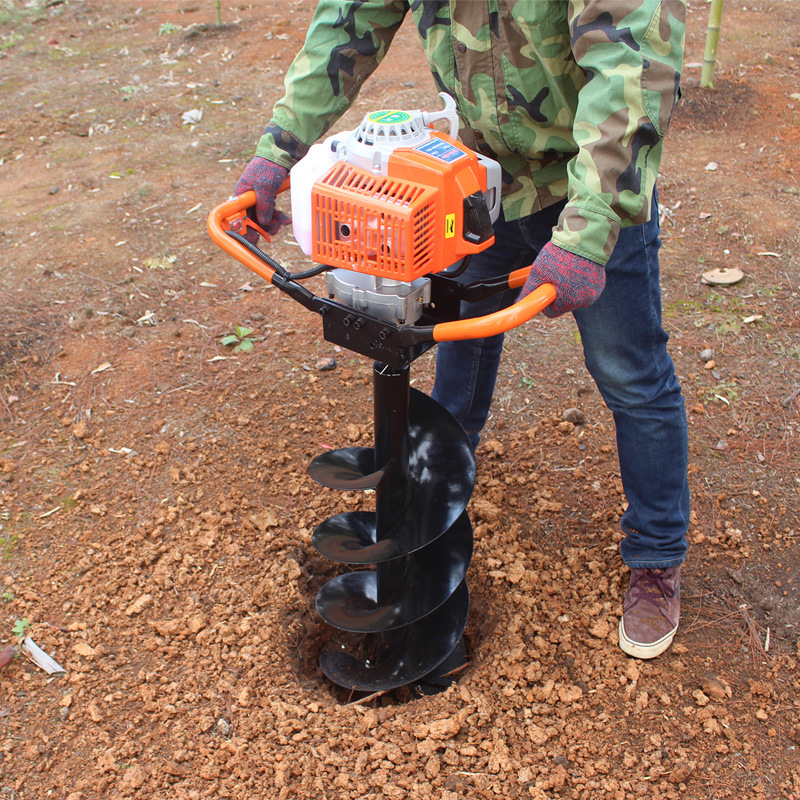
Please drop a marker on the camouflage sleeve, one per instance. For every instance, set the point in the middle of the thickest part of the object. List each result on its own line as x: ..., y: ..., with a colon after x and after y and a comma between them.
x: 631, y: 52
x: 346, y: 41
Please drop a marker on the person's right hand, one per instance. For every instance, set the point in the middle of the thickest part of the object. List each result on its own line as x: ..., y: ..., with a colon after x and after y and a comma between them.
x: 264, y: 177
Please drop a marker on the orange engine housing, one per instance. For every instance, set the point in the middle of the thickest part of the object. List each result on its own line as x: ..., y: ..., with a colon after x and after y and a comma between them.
x: 403, y: 225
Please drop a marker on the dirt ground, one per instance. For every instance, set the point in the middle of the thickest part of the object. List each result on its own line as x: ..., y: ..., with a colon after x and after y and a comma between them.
x: 155, y: 509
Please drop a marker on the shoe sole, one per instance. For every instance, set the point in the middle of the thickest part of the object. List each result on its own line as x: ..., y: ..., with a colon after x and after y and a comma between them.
x: 644, y: 651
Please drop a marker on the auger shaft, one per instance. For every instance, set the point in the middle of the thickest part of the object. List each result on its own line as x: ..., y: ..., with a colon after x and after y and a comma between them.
x: 390, y: 413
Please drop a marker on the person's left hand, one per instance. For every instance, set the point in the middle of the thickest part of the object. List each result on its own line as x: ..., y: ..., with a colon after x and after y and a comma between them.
x: 578, y: 281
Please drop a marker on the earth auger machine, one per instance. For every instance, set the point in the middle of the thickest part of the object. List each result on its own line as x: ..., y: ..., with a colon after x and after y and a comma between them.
x: 391, y: 212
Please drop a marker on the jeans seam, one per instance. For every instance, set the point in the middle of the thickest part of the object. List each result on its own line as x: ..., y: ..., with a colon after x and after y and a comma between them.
x: 473, y: 383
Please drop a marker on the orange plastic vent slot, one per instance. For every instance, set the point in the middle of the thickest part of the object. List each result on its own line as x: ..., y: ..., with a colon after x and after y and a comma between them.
x: 374, y: 224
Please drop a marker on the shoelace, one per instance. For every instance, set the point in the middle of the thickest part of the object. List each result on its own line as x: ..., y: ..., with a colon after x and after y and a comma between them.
x: 652, y: 587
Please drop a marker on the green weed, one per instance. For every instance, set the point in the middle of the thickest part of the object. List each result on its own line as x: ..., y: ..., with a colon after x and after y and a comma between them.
x: 240, y: 338
x: 7, y: 544
x: 730, y: 325
x: 17, y: 18
x: 168, y: 28
x: 728, y: 393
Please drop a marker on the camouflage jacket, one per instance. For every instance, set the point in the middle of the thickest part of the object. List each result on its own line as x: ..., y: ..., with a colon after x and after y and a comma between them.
x: 572, y: 97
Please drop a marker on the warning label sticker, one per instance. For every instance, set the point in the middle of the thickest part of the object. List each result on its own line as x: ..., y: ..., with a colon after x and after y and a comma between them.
x: 440, y: 149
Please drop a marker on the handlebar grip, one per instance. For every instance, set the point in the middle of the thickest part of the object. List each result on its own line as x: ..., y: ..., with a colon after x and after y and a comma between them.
x: 498, y: 322
x: 231, y: 208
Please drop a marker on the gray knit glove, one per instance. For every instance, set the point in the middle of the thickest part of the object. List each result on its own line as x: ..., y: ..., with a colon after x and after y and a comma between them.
x: 577, y: 280
x: 264, y: 177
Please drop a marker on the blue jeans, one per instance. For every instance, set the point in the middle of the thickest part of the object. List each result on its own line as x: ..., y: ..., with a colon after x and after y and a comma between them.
x: 625, y: 351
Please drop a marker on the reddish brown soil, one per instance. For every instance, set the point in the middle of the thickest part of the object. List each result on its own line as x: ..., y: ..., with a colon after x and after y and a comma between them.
x: 155, y: 510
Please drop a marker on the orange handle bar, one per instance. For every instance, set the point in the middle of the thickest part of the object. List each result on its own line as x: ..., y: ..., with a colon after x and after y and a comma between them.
x: 500, y: 321
x: 219, y: 220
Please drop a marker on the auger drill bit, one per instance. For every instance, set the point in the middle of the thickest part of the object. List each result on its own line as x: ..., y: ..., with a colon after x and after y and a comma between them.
x: 413, y: 606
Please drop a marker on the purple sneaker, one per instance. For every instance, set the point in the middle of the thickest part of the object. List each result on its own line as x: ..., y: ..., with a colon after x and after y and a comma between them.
x: 650, y: 612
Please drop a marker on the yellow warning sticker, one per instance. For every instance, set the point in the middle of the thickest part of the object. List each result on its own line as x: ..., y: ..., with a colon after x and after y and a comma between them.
x: 449, y: 226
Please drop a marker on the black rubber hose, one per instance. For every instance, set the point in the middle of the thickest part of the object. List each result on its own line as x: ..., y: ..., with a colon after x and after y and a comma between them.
x: 452, y: 272
x: 276, y: 265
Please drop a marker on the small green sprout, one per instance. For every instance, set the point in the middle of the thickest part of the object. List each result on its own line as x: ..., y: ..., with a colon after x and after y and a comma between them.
x: 167, y: 28
x: 240, y: 338
x: 21, y: 627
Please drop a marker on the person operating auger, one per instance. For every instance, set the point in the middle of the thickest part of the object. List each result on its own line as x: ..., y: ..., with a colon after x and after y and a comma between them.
x: 573, y: 98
